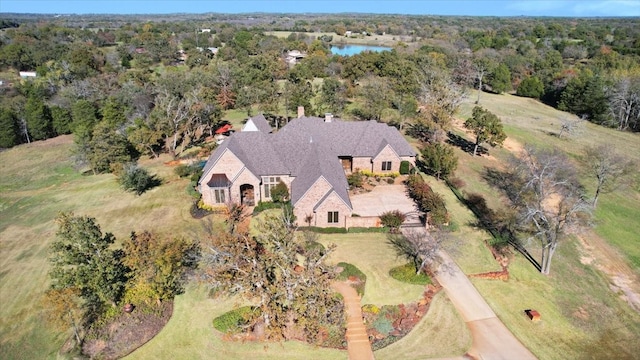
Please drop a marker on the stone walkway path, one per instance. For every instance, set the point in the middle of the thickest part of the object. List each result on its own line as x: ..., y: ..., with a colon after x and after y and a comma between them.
x: 358, y: 345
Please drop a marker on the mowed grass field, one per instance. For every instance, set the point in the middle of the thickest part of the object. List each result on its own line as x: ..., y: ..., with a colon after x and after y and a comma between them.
x: 584, y: 313
x: 37, y: 181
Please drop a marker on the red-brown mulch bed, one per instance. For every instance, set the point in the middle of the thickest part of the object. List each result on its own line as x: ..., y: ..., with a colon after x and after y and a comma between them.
x: 389, y: 324
x: 127, y: 332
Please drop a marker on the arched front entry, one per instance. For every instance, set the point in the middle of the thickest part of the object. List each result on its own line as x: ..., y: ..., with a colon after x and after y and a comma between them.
x: 247, y: 196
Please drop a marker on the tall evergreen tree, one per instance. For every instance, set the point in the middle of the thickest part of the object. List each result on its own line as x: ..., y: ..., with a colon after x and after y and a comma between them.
x: 38, y: 119
x: 9, y: 130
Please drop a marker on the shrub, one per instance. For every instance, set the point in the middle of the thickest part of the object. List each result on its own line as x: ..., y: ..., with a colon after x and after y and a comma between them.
x: 390, y: 181
x: 407, y: 273
x: 456, y: 182
x: 266, y: 205
x: 405, y: 167
x: 234, y: 320
x: 280, y: 193
x: 137, y: 179
x: 368, y: 230
x: 434, y: 204
x: 392, y: 219
x: 350, y: 270
x: 182, y: 170
x: 355, y: 180
x: 327, y: 230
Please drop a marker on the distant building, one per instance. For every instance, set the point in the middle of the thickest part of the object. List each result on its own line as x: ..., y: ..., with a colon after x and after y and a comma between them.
x: 27, y: 74
x: 294, y: 56
x: 205, y: 30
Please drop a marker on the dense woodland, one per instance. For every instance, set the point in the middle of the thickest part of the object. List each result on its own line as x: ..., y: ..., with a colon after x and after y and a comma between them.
x: 121, y: 86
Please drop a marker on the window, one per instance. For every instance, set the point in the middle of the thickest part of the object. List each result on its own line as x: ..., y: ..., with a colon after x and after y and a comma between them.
x: 386, y: 166
x: 269, y: 183
x: 332, y: 217
x: 219, y: 195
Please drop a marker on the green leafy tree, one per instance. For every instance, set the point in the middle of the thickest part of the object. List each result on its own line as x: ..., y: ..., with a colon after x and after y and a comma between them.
x: 113, y: 113
x: 332, y: 96
x: 157, y: 266
x: 38, y: 118
x: 82, y: 258
x: 9, y: 130
x: 486, y: 126
x: 531, y: 87
x: 60, y: 120
x: 84, y: 117
x: 108, y: 149
x: 500, y: 79
x: 439, y: 159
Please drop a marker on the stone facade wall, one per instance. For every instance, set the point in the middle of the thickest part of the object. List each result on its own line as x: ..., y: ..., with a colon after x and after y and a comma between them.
x: 304, y: 206
x: 386, y: 154
x: 229, y: 165
x: 362, y: 163
x: 332, y: 203
x: 245, y: 177
x: 363, y: 221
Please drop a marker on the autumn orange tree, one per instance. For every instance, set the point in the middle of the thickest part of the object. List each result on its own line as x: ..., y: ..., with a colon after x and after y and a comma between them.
x: 291, y: 285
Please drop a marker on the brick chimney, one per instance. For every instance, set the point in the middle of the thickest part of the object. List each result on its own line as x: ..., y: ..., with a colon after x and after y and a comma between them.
x: 328, y: 117
x: 300, y: 111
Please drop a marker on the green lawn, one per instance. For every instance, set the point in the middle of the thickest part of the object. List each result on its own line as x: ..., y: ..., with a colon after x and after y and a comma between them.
x: 580, y: 312
x: 374, y: 257
x: 38, y: 181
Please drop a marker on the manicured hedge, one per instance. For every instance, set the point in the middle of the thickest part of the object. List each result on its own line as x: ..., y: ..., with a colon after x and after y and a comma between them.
x: 233, y: 320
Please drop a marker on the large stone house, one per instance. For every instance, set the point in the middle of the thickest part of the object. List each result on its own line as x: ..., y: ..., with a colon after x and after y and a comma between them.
x: 311, y: 155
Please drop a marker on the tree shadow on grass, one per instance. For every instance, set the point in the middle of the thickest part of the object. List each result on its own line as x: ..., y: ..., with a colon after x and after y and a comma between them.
x: 500, y: 224
x: 466, y: 145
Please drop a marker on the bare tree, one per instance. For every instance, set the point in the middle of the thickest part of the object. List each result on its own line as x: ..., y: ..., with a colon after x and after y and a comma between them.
x: 608, y: 167
x: 571, y: 126
x: 624, y: 102
x: 418, y: 246
x: 550, y: 201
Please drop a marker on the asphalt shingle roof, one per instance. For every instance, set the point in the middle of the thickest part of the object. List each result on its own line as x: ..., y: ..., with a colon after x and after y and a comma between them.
x: 308, y: 148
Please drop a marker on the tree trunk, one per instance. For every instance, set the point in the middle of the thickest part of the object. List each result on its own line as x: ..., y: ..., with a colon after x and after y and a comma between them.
x: 475, y: 148
x: 595, y: 197
x: 547, y: 254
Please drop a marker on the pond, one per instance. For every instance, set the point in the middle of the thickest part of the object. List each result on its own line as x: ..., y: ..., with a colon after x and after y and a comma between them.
x: 348, y: 50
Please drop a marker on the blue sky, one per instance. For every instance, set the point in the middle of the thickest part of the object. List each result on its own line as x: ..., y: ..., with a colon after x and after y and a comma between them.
x: 577, y: 8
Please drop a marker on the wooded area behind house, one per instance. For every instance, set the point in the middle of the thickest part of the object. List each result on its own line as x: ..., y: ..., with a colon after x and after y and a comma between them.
x: 127, y: 86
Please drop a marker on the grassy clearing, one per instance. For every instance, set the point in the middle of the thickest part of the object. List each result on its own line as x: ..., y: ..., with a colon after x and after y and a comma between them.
x: 38, y: 181
x: 579, y: 310
x: 190, y: 335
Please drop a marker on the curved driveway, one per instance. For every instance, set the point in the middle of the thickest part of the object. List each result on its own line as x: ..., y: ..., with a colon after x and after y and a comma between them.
x: 491, y: 339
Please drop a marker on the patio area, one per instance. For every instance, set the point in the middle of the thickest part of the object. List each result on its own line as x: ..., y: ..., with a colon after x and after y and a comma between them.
x: 381, y: 199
